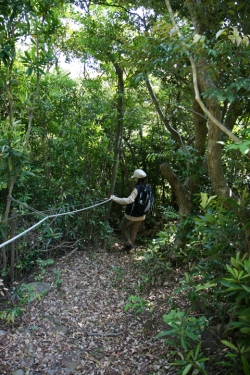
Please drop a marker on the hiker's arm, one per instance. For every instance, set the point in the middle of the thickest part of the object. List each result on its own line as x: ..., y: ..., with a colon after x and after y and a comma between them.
x: 128, y: 200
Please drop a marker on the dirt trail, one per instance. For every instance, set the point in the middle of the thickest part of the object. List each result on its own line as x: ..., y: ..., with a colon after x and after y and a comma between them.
x: 82, y: 328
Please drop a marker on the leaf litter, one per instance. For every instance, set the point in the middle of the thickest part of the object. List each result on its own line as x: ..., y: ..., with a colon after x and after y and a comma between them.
x: 82, y: 328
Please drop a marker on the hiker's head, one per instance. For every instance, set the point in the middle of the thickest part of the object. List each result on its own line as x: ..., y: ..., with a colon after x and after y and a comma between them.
x: 139, y: 176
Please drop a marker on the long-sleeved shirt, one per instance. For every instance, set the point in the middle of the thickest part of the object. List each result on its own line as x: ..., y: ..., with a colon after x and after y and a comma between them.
x: 128, y: 200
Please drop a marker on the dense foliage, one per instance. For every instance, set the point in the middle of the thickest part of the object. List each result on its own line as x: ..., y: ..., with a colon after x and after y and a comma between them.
x: 165, y: 88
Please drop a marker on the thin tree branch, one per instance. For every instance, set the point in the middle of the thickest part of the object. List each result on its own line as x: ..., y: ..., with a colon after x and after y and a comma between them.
x: 171, y: 130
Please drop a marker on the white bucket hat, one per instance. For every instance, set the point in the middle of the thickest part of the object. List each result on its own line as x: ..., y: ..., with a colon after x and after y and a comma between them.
x: 139, y: 173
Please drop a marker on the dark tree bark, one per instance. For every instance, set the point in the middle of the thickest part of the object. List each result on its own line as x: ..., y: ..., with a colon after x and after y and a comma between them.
x: 183, y: 196
x: 205, y: 82
x: 200, y: 125
x: 183, y: 191
x: 215, y: 168
x: 119, y: 130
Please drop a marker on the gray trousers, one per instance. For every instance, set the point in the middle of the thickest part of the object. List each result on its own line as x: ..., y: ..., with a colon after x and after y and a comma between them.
x: 129, y: 230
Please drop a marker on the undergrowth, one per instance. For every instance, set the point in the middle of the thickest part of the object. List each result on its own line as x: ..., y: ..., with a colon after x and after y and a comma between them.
x: 216, y: 261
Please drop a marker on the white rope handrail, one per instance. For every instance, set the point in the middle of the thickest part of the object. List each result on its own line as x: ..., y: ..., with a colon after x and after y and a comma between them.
x: 49, y: 217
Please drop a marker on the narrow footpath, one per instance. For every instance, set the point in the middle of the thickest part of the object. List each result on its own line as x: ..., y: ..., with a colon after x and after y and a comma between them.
x: 81, y: 327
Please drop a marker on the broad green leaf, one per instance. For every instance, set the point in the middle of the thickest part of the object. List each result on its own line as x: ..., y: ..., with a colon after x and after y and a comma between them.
x: 247, y: 267
x: 187, y: 369
x: 238, y: 40
x: 229, y: 344
x: 203, y: 359
x: 205, y: 286
x: 209, y: 218
x: 165, y: 333
x: 219, y: 33
x: 203, y: 200
x: 232, y: 271
x: 234, y: 262
x: 245, y: 330
x: 244, y: 148
x: 245, y: 40
x: 240, y: 275
x: 10, y: 164
x: 232, y: 289
x: 246, y: 288
x: 192, y: 335
x: 245, y: 312
x: 211, y: 198
x: 197, y: 37
x: 197, y: 349
x: 245, y: 365
x: 172, y: 343
x: 183, y: 342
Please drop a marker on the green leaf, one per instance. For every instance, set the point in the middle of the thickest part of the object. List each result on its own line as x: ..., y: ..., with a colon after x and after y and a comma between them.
x: 245, y: 330
x: 209, y: 218
x: 192, y: 335
x: 234, y: 263
x: 245, y: 365
x: 204, y: 359
x: 172, y: 343
x: 228, y: 283
x: 246, y: 288
x: 197, y: 37
x: 205, y: 286
x: 244, y: 313
x: 232, y: 289
x: 197, y: 349
x: 211, y: 199
x: 247, y: 267
x: 232, y: 271
x: 219, y: 33
x: 183, y: 342
x: 29, y: 71
x: 127, y: 306
x: 186, y: 369
x: 240, y: 275
x: 165, y: 333
x: 244, y: 148
x: 229, y: 344
x: 203, y: 200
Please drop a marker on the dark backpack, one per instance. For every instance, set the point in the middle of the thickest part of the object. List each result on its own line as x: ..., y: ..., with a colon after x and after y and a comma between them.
x: 144, y: 201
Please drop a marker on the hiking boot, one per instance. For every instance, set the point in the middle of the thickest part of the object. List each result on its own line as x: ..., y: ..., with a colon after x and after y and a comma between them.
x: 115, y: 246
x: 128, y: 248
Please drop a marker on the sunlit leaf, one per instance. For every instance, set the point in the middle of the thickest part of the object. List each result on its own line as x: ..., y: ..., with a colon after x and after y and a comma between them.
x: 229, y: 344
x: 197, y: 37
x: 220, y: 32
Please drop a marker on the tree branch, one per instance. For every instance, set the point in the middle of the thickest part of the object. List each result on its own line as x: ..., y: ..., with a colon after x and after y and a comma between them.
x: 171, y: 130
x: 195, y: 80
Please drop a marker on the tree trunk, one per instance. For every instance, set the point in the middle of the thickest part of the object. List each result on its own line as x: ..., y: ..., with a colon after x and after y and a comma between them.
x: 215, y: 168
x: 12, y: 247
x: 184, y: 191
x: 11, y: 183
x: 11, y: 179
x: 200, y: 125
x: 118, y: 135
x: 184, y: 201
x: 183, y: 196
x: 213, y: 110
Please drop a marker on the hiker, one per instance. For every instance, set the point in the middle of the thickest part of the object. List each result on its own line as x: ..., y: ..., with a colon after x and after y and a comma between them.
x: 134, y: 214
